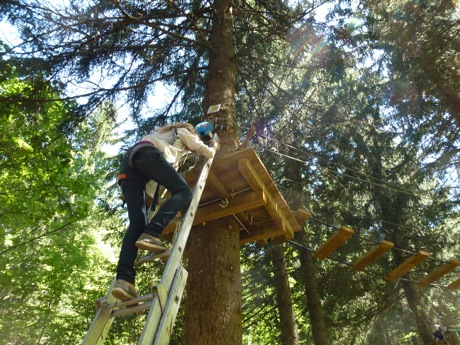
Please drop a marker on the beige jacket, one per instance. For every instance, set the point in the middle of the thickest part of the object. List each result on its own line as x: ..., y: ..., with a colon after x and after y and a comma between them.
x: 175, y: 147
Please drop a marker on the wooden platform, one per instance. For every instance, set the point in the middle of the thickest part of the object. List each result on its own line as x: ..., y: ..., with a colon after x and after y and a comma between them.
x: 240, y: 187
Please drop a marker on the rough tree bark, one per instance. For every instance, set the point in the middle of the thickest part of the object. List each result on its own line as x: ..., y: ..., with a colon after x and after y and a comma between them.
x: 213, y: 300
x: 289, y: 335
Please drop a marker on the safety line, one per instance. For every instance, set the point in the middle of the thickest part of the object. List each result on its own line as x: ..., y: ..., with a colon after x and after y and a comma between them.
x: 383, y: 184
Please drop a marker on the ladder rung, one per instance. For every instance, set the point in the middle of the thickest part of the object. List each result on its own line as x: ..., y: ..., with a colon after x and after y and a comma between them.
x: 129, y: 302
x: 163, y: 256
x: 139, y: 308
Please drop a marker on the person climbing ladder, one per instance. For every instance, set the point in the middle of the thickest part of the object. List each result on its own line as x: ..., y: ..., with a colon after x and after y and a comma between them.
x: 155, y: 157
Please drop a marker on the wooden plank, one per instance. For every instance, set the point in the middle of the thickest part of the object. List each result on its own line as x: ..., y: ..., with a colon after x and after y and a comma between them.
x: 334, y: 242
x: 454, y: 285
x: 407, y: 265
x: 254, y: 180
x: 301, y: 216
x: 300, y: 219
x: 215, y: 183
x: 372, y: 255
x: 439, y: 272
x: 241, y: 203
x: 224, y: 193
x: 263, y: 232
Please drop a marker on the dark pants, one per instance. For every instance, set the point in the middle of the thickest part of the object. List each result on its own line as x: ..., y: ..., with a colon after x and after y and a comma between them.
x: 148, y: 164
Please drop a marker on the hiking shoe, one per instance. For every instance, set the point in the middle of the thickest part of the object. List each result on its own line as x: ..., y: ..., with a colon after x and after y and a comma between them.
x: 124, y: 290
x: 150, y: 243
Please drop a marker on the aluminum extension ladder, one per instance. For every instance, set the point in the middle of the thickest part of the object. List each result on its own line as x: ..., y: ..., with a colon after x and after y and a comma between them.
x: 165, y: 297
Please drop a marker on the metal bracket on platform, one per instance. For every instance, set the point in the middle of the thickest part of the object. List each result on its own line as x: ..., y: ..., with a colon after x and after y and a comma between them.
x: 224, y: 203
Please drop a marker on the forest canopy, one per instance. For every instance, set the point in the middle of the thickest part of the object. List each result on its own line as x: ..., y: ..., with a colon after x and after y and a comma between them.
x: 355, y: 108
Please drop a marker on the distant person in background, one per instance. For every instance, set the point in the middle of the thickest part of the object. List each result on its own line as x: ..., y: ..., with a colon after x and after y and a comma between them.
x: 438, y: 335
x: 156, y: 157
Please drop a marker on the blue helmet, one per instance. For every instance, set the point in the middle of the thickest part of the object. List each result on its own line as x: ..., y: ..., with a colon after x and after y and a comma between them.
x: 204, y: 129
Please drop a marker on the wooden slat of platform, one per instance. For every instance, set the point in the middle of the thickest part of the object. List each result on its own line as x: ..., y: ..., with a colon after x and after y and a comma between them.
x: 255, y: 182
x: 230, y: 179
x: 263, y: 232
x: 214, y: 211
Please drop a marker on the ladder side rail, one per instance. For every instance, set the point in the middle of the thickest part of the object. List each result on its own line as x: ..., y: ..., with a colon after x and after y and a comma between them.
x: 172, y: 307
x: 175, y: 259
x: 102, y: 321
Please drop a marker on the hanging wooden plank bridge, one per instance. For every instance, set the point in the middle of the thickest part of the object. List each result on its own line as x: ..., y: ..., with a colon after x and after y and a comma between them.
x: 239, y: 186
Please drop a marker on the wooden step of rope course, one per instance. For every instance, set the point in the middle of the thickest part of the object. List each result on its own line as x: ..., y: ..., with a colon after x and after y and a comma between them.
x: 373, y: 255
x: 408, y: 265
x: 344, y: 233
x: 454, y: 285
x: 439, y: 272
x: 335, y: 241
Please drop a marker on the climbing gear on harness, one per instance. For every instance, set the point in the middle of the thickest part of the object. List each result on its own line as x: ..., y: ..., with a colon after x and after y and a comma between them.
x: 121, y: 177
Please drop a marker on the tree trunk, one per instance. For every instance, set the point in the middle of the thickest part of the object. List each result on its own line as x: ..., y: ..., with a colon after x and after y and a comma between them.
x: 315, y: 309
x: 415, y: 303
x: 289, y: 335
x: 412, y: 292
x: 294, y: 174
x: 213, y: 300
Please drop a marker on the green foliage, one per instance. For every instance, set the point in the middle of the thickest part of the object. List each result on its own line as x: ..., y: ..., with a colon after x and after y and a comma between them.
x: 364, y: 103
x: 51, y: 260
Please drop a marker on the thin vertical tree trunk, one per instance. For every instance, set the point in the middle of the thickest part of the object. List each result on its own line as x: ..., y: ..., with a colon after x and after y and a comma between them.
x: 293, y: 172
x: 392, y: 209
x: 415, y: 303
x: 315, y: 309
x: 289, y: 335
